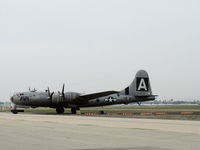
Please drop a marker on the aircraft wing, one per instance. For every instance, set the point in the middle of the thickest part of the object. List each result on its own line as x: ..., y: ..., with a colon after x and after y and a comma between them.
x: 97, y: 95
x: 146, y: 95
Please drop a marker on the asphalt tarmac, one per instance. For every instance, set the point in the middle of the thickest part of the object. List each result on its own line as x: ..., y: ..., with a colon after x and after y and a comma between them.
x: 63, y: 132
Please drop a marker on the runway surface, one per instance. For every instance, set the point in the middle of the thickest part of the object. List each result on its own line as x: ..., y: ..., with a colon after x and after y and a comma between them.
x: 63, y: 132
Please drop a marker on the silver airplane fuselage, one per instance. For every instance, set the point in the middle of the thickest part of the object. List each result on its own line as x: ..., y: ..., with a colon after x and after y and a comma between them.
x: 41, y: 99
x: 138, y: 91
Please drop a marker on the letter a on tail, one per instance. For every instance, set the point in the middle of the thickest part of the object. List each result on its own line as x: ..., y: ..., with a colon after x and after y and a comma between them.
x: 142, y: 84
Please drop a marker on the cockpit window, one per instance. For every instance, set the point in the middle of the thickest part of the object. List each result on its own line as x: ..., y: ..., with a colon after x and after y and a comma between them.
x: 21, y: 94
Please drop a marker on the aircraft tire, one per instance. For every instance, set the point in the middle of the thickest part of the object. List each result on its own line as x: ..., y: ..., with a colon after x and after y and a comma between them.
x: 14, y: 111
x: 60, y: 110
x: 73, y: 110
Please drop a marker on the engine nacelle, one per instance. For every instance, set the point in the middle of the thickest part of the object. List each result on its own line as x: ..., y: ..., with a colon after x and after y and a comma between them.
x: 71, y: 96
x: 68, y: 98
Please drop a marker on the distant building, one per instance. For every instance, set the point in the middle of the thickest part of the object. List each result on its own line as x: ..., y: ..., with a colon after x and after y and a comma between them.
x: 5, y: 105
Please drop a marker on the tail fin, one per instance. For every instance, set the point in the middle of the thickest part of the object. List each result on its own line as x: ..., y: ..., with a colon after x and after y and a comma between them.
x: 140, y: 87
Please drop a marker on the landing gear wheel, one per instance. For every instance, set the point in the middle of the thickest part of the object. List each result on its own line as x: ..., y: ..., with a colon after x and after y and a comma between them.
x: 102, y: 112
x: 60, y: 110
x: 73, y: 110
x: 14, y: 111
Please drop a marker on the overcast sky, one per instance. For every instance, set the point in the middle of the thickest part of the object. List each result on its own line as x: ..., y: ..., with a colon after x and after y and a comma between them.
x: 97, y: 45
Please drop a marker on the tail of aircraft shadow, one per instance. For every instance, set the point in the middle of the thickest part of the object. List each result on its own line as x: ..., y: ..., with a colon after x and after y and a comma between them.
x: 140, y: 87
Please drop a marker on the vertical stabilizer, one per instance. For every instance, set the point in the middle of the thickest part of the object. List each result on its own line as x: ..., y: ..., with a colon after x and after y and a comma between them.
x: 140, y: 86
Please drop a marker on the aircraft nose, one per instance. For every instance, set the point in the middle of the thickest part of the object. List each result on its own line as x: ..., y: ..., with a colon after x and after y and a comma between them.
x: 12, y: 98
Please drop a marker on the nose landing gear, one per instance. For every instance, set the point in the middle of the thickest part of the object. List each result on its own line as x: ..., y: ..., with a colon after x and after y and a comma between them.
x: 15, y: 111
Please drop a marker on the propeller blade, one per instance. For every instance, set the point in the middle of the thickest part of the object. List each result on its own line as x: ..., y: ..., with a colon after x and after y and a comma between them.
x: 48, y: 90
x: 50, y: 94
x: 63, y: 89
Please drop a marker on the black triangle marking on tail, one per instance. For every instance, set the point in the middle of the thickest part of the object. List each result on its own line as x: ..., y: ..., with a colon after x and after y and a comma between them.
x: 142, y: 84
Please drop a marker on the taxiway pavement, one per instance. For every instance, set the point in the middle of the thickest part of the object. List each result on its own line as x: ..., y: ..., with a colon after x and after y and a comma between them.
x: 71, y: 132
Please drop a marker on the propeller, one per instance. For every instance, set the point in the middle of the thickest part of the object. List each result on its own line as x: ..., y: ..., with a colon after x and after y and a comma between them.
x: 50, y: 94
x: 63, y: 91
x: 62, y: 94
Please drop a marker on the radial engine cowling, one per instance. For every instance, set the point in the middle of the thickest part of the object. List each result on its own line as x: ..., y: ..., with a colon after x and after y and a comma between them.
x: 65, y: 98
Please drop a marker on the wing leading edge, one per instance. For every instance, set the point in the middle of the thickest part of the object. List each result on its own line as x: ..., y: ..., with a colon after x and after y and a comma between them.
x: 97, y: 95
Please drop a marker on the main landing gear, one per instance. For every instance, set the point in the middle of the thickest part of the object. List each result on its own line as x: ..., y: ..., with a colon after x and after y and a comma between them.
x: 60, y: 110
x: 74, y: 109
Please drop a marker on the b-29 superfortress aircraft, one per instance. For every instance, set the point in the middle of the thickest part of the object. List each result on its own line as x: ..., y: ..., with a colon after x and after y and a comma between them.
x: 138, y: 91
